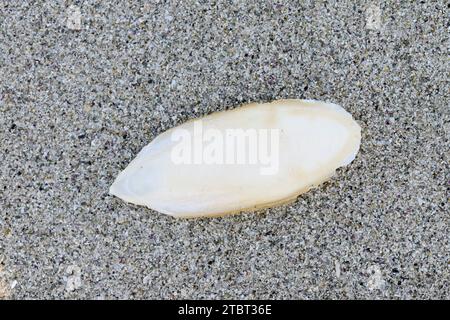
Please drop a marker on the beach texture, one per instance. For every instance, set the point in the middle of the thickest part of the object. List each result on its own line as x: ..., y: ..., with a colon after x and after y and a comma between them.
x: 84, y: 85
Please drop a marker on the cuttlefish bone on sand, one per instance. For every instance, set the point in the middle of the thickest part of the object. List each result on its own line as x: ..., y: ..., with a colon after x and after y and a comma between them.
x: 255, y: 156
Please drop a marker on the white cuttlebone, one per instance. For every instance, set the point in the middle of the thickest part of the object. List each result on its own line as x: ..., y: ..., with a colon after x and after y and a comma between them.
x: 315, y: 139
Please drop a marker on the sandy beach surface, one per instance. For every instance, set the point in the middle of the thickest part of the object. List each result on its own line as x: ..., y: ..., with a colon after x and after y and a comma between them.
x: 84, y: 85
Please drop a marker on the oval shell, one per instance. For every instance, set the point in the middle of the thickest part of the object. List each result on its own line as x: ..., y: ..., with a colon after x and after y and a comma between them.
x: 314, y: 139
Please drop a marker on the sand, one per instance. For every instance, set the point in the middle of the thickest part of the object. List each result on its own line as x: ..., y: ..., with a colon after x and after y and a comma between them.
x: 85, y: 85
